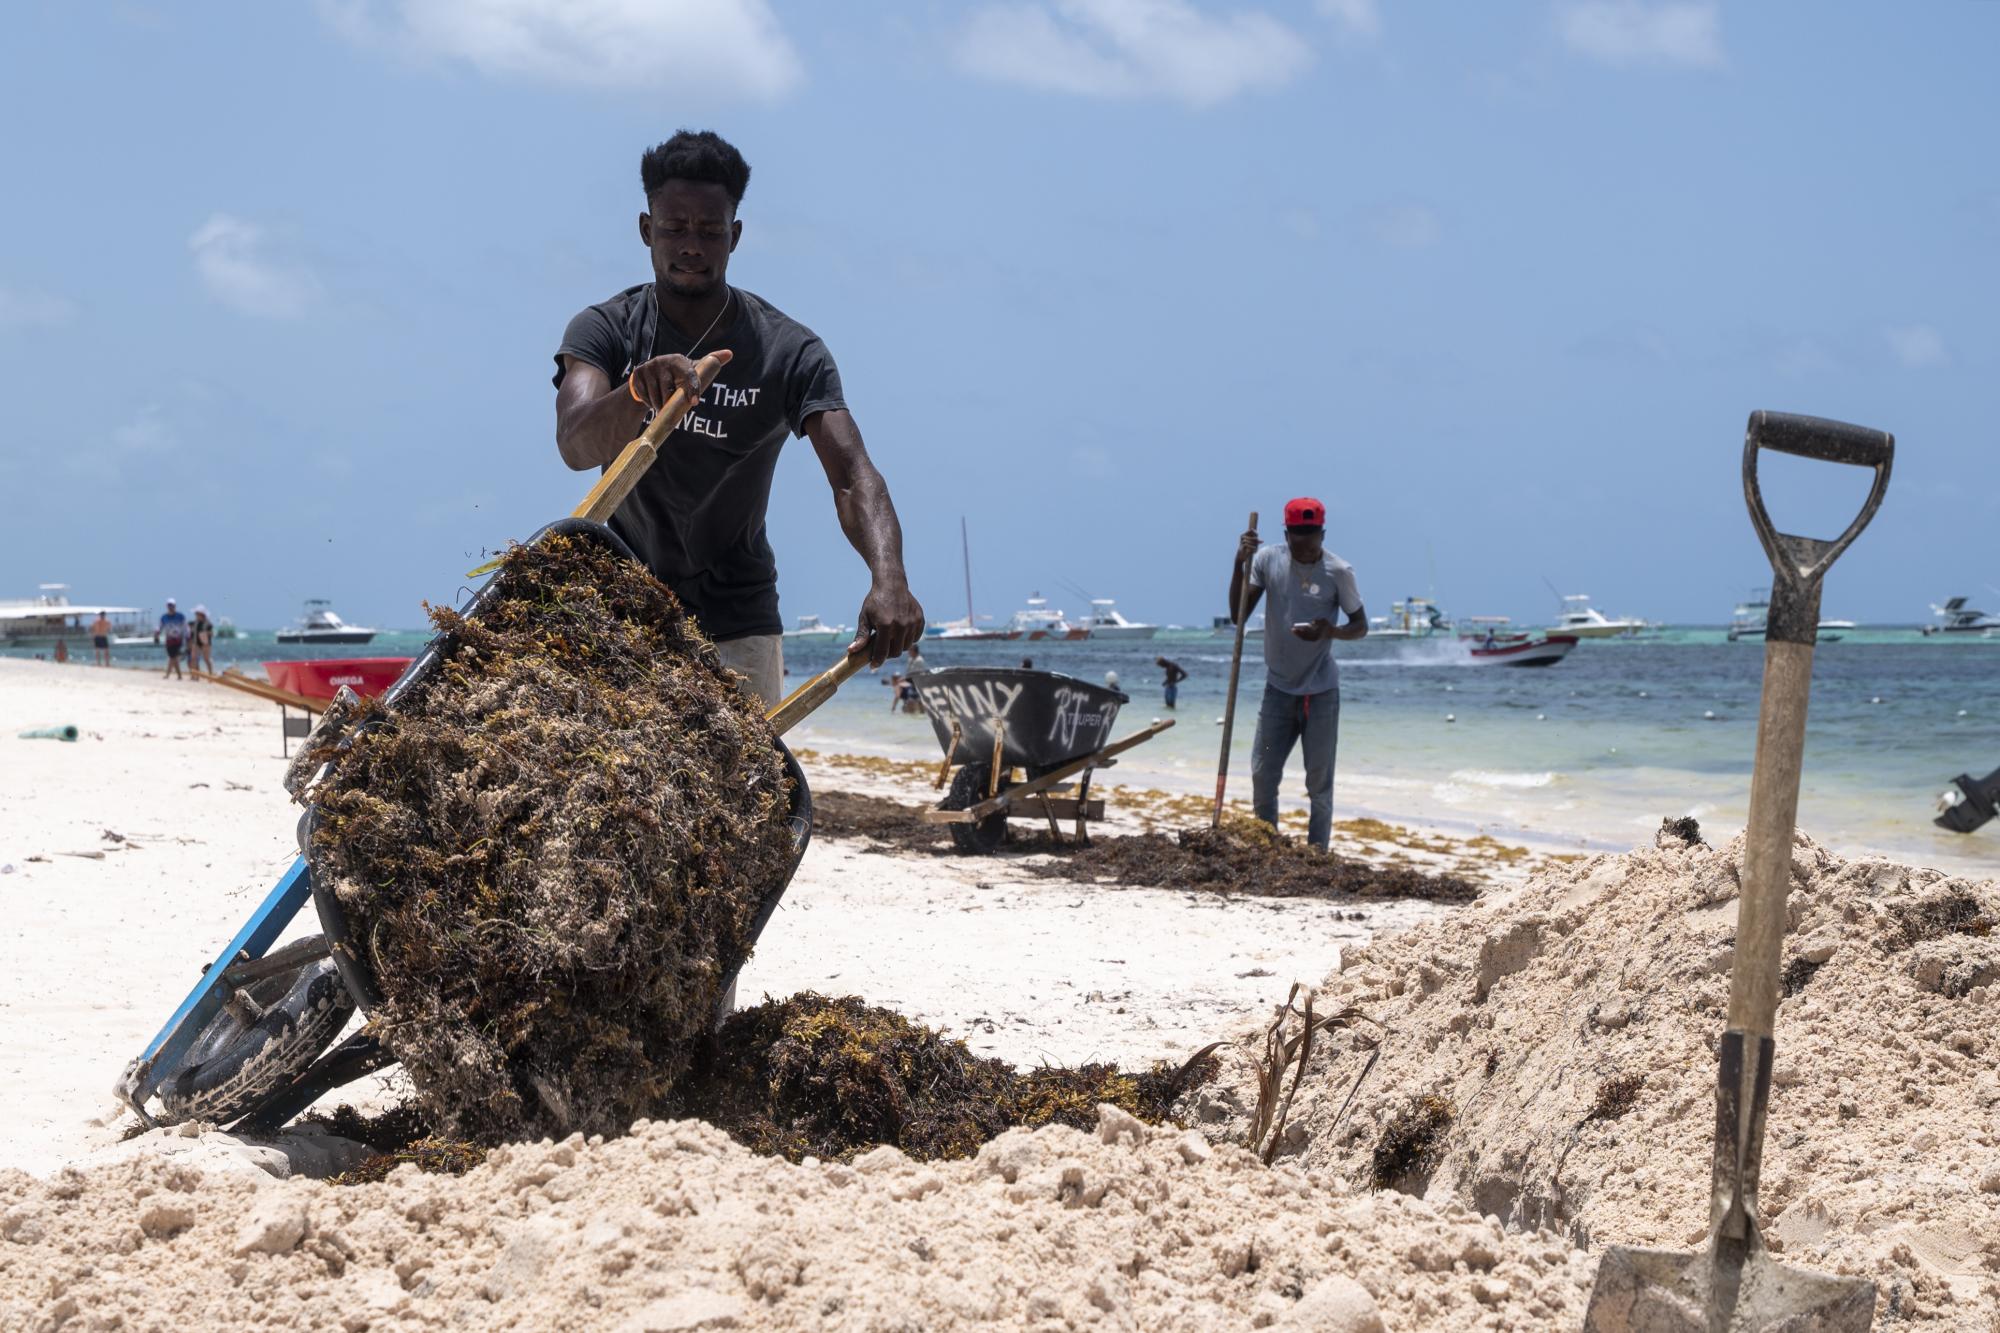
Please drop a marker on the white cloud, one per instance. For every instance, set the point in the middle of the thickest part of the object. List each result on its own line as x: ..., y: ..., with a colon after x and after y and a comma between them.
x: 1916, y: 345
x: 735, y: 48
x: 1631, y: 32
x: 1132, y: 48
x: 30, y: 310
x: 1300, y: 222
x: 236, y: 263
x: 1360, y: 17
x: 147, y: 433
x: 1406, y: 226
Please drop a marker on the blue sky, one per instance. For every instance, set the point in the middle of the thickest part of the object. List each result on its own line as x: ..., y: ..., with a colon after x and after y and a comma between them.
x: 1500, y: 282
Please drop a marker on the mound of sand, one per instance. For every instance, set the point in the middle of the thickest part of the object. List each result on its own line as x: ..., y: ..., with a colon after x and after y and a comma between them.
x: 1549, y: 1060
x: 552, y: 853
x: 675, y: 1227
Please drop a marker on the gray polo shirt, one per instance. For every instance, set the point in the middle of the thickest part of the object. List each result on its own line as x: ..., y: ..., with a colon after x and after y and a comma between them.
x: 1293, y: 593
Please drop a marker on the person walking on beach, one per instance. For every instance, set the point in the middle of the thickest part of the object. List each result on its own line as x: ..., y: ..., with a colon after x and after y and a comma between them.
x: 697, y: 518
x: 100, y: 640
x: 1309, y: 588
x: 1171, y: 686
x: 201, y: 642
x: 173, y: 633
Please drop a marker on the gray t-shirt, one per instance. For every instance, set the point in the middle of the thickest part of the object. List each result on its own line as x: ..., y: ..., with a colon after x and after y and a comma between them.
x: 1293, y: 593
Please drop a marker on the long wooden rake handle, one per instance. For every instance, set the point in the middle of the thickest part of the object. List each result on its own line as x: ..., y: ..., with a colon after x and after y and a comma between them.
x: 1235, y: 669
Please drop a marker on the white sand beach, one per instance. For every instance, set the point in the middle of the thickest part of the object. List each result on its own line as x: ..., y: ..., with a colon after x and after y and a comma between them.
x: 130, y: 855
x: 135, y: 853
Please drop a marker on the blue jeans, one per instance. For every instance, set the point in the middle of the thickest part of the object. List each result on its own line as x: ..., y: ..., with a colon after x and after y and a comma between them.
x: 1173, y: 693
x: 1281, y: 721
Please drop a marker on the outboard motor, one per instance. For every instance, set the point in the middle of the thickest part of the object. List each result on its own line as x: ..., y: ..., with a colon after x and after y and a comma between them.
x: 1968, y: 802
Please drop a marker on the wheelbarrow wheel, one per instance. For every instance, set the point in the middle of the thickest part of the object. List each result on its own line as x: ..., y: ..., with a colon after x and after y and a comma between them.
x: 968, y: 788
x: 233, y: 1067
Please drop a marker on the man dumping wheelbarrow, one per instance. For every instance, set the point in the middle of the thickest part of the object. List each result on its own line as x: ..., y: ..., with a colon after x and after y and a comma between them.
x: 698, y: 521
x: 245, y: 1046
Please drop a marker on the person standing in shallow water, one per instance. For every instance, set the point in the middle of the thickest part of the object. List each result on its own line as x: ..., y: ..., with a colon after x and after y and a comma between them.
x: 697, y: 518
x: 1171, y: 686
x: 1309, y: 588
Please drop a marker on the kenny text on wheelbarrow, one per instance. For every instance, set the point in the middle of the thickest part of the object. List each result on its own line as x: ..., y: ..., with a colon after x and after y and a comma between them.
x: 992, y: 721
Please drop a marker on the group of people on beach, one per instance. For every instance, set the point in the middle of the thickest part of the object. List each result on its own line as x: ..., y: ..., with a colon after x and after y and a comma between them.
x: 180, y: 636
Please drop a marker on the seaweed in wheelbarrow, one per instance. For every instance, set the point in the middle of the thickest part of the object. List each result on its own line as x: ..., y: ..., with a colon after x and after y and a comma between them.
x: 555, y: 847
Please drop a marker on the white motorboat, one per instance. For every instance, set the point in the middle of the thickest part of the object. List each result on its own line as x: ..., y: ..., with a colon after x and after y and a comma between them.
x: 1411, y: 618
x: 1746, y: 622
x: 1105, y: 622
x: 319, y: 624
x: 1584, y: 621
x: 811, y: 629
x: 1955, y: 617
x: 50, y: 617
x: 1037, y: 621
x: 1223, y: 627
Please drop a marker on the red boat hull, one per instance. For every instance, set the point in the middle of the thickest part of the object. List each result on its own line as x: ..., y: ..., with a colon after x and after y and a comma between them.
x: 368, y: 676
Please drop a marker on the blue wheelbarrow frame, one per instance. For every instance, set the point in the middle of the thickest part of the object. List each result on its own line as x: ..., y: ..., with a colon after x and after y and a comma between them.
x: 247, y: 957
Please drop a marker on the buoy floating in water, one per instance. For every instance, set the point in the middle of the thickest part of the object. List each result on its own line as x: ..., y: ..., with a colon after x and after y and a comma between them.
x: 1709, y: 715
x: 1451, y: 717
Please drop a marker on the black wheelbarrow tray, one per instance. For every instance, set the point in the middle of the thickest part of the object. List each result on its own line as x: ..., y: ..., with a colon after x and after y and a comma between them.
x: 248, y: 1046
x: 993, y: 720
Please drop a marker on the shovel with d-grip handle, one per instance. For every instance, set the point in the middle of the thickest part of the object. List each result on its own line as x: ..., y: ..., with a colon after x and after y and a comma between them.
x: 1734, y: 1285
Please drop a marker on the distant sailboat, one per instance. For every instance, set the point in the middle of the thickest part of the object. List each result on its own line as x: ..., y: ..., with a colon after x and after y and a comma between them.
x: 967, y: 628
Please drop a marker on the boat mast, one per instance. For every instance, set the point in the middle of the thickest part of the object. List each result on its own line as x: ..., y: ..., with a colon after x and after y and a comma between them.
x: 965, y: 549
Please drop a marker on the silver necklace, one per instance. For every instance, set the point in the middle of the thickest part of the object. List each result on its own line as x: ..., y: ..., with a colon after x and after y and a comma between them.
x: 695, y: 346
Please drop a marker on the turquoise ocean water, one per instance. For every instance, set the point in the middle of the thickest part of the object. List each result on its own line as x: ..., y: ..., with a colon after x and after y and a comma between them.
x: 1589, y: 753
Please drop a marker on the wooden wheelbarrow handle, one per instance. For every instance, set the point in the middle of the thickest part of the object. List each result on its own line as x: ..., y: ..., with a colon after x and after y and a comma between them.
x: 633, y: 460
x: 796, y: 705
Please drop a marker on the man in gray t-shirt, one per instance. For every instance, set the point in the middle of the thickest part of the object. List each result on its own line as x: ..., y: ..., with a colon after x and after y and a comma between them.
x: 1306, y: 588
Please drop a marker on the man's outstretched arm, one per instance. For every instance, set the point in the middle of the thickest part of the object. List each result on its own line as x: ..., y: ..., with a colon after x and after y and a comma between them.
x: 868, y: 517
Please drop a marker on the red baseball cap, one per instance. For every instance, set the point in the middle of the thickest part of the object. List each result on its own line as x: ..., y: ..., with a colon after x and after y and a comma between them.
x: 1305, y: 512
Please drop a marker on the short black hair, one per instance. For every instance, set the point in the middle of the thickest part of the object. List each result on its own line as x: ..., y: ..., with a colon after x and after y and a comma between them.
x: 695, y: 155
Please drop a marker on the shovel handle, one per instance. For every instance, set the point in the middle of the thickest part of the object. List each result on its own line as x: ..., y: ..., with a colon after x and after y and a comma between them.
x: 814, y: 692
x: 633, y: 460
x: 1800, y: 563
x: 1767, y: 851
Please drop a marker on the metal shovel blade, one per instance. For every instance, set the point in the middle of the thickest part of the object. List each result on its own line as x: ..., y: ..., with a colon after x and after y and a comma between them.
x: 1672, y: 1291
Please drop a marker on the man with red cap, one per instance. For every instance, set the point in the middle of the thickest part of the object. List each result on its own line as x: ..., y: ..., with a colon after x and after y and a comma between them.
x: 1308, y: 588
